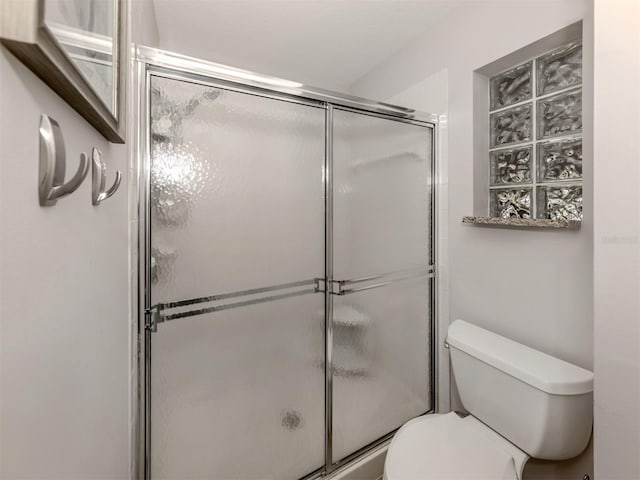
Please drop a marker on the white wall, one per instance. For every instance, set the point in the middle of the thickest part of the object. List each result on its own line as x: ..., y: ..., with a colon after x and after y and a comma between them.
x: 533, y: 286
x: 65, y: 362
x: 144, y: 27
x: 64, y: 339
x: 616, y: 245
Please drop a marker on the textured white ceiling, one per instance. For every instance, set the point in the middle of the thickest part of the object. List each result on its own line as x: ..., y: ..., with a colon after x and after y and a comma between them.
x: 324, y: 43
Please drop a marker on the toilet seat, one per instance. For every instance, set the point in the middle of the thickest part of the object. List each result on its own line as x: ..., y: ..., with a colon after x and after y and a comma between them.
x: 447, y: 447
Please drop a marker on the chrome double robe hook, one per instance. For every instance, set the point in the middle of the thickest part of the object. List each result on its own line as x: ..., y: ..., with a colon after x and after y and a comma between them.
x: 99, y: 178
x: 51, y: 186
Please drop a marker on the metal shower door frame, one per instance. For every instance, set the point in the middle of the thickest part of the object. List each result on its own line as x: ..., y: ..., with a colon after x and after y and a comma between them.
x: 151, y: 61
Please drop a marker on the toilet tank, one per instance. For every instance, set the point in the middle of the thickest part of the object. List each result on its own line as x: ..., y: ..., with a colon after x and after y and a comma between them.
x: 540, y: 403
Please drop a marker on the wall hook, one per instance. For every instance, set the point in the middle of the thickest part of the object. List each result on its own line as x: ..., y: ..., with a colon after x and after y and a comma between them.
x: 99, y: 178
x: 51, y: 186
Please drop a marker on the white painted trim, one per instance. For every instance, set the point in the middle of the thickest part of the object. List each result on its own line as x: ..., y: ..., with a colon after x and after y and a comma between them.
x: 443, y: 378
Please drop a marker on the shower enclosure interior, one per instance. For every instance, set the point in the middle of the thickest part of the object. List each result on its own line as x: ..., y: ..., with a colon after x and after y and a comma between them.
x: 286, y: 265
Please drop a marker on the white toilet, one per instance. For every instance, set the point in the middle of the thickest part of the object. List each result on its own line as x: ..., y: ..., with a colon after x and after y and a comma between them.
x: 522, y: 403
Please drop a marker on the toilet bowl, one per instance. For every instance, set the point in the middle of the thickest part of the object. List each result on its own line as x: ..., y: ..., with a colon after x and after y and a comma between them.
x: 450, y: 447
x: 522, y: 403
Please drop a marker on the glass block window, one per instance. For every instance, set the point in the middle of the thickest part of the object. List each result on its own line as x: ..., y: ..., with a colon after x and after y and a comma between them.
x: 535, y: 137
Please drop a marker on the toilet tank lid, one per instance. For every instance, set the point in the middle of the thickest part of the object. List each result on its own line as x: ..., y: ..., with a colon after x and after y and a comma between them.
x: 531, y: 366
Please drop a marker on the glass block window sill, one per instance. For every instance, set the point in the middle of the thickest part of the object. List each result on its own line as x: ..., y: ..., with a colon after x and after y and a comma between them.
x: 522, y: 222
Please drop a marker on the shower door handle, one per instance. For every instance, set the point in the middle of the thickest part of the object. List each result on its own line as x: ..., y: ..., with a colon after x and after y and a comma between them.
x: 388, y: 279
x: 164, y: 312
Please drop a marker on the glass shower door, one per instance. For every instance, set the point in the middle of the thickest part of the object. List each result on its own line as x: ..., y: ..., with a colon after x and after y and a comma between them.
x: 381, y: 271
x: 237, y: 248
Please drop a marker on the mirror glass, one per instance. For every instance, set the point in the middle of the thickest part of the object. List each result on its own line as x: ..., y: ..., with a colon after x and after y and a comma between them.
x: 85, y: 30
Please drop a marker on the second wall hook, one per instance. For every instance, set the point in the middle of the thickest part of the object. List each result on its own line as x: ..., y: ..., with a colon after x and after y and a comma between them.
x: 99, y: 178
x: 53, y: 161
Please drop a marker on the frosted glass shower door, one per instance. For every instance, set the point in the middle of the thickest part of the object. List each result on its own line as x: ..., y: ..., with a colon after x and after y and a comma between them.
x: 381, y: 271
x: 237, y: 243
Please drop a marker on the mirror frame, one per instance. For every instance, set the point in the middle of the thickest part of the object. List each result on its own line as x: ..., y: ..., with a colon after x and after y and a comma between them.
x: 24, y: 33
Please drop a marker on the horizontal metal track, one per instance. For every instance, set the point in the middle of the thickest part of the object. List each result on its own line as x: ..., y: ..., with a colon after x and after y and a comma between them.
x: 161, y: 312
x: 390, y: 278
x: 245, y: 303
x: 241, y: 293
x: 164, y: 312
x: 348, y: 291
x: 397, y: 273
x: 193, y: 66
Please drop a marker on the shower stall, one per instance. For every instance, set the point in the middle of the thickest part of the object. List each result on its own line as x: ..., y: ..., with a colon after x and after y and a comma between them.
x: 286, y: 269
